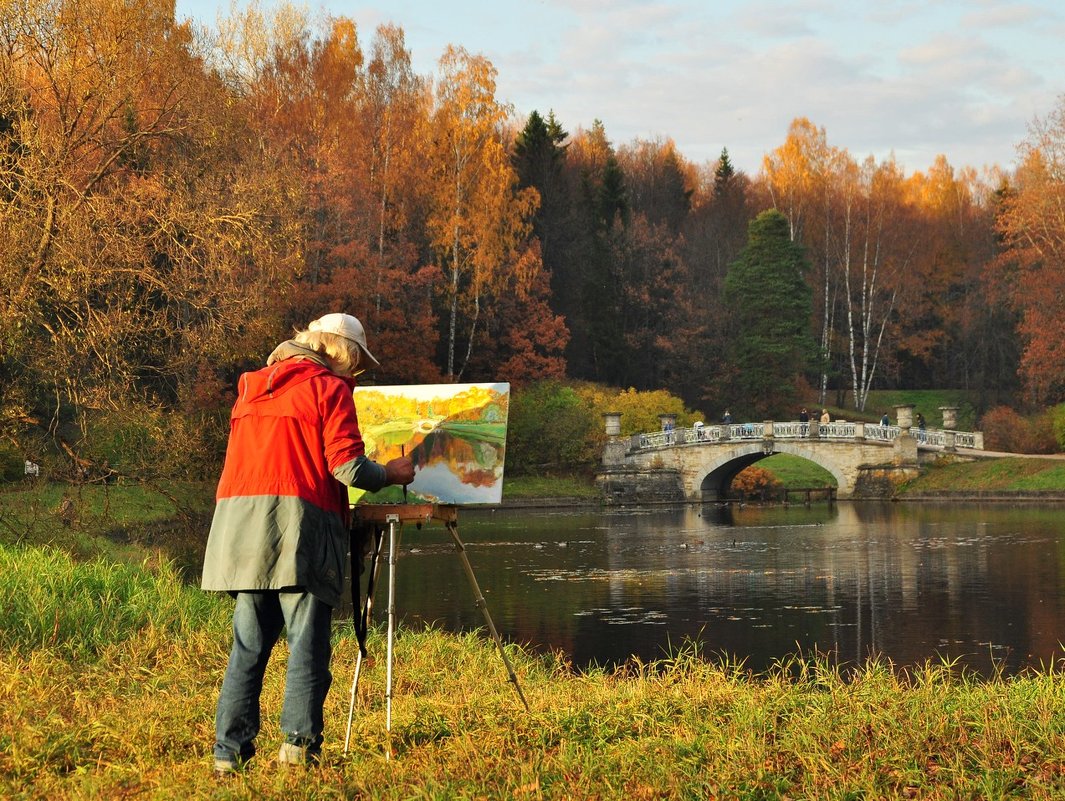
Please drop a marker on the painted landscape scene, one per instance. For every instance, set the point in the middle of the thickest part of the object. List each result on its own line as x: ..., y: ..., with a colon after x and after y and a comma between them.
x: 454, y: 433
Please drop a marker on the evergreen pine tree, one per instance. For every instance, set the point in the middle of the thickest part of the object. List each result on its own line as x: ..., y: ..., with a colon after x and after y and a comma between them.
x: 723, y: 174
x: 611, y: 200
x: 772, y: 307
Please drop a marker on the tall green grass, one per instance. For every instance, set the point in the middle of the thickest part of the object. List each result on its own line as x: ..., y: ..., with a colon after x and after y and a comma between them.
x: 50, y: 600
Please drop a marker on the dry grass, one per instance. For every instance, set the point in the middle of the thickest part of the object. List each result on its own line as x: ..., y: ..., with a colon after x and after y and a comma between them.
x: 127, y: 712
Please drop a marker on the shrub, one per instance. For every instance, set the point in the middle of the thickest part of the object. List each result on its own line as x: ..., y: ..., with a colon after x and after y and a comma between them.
x: 550, y: 428
x: 1007, y: 430
x: 753, y: 479
x: 144, y: 443
x: 639, y: 408
x: 12, y: 465
x: 556, y: 426
x: 1057, y: 422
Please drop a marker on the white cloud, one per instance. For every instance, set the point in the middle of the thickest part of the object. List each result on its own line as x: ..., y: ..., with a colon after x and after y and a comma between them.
x: 914, y: 77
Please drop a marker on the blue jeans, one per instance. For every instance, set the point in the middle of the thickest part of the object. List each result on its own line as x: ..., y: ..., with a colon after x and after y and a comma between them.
x: 257, y: 621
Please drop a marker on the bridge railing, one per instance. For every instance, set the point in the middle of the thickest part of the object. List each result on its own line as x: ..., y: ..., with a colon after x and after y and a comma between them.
x: 837, y: 430
x: 880, y: 433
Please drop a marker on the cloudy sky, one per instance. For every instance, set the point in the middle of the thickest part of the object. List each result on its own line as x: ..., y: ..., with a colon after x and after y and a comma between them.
x: 959, y: 77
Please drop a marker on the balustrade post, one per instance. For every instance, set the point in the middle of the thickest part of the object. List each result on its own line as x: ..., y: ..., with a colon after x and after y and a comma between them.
x: 949, y: 441
x: 614, y: 450
x: 613, y: 423
x: 904, y: 415
x: 950, y: 417
x: 859, y: 431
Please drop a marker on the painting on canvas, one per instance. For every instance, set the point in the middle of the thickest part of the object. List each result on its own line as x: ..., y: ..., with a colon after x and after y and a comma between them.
x: 454, y: 433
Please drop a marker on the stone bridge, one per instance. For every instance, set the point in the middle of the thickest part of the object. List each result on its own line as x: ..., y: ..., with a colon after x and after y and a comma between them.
x: 699, y: 463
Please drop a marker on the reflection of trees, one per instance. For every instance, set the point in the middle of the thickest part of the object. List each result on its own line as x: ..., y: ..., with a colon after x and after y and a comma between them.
x: 476, y: 463
x: 759, y: 584
x: 909, y: 583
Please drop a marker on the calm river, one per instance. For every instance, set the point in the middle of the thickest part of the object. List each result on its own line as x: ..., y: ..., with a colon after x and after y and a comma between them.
x: 982, y: 584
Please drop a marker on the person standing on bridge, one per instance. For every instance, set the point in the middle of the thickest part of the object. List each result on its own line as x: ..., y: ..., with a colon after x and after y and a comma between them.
x: 804, y: 422
x: 726, y: 418
x: 825, y: 416
x: 885, y: 421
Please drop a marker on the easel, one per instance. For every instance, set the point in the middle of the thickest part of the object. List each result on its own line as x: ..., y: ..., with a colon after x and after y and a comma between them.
x: 390, y: 518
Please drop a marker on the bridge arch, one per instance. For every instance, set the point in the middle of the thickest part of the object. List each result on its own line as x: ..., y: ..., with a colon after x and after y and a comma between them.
x: 713, y: 478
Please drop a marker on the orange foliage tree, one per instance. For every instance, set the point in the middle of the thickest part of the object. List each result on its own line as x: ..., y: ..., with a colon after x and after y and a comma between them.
x: 478, y: 221
x: 1032, y: 226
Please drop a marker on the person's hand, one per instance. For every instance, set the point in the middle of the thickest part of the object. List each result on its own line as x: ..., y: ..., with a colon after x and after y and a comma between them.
x: 400, y: 471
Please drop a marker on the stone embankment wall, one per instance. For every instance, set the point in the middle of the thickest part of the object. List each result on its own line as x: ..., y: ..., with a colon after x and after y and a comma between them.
x: 623, y: 486
x: 882, y: 482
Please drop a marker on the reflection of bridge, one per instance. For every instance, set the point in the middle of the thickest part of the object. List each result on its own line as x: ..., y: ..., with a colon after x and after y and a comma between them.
x: 699, y: 463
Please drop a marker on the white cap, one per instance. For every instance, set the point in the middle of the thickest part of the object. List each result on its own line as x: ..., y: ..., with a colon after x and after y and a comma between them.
x: 346, y: 326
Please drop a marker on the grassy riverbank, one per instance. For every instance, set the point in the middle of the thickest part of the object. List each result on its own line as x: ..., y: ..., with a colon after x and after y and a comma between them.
x: 111, y: 674
x: 1012, y: 474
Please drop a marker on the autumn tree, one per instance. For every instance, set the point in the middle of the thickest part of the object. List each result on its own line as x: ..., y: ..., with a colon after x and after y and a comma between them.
x: 872, y: 245
x: 766, y: 287
x: 478, y: 221
x: 659, y: 182
x: 386, y: 276
x: 712, y: 237
x: 394, y: 114
x: 525, y: 340
x: 1032, y: 226
x: 125, y: 267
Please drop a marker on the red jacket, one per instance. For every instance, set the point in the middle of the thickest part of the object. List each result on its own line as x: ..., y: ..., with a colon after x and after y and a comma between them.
x: 293, y: 423
x: 280, y: 521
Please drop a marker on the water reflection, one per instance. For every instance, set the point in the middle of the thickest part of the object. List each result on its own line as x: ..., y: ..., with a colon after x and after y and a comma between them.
x: 982, y: 585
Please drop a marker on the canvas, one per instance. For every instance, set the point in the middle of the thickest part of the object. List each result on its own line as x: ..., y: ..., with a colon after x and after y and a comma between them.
x: 454, y: 433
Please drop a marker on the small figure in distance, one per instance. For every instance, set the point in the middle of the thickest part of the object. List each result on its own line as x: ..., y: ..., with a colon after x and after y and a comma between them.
x: 825, y: 416
x: 726, y: 418
x: 885, y: 421
x: 804, y: 422
x: 920, y: 421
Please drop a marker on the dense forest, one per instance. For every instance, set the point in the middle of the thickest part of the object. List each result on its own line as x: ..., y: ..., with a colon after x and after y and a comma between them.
x: 175, y: 200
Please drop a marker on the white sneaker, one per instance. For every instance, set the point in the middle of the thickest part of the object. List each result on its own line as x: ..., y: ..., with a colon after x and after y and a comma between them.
x: 292, y: 754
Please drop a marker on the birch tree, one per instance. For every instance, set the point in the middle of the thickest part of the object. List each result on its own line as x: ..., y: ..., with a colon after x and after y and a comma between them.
x: 478, y: 220
x: 873, y: 253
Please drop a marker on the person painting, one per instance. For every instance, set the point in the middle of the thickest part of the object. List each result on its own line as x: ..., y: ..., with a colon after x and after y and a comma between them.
x: 279, y: 538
